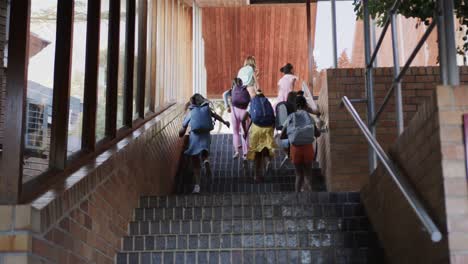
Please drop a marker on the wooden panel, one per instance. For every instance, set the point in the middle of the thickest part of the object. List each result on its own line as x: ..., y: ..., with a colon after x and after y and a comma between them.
x: 62, y: 80
x: 11, y: 162
x: 91, y: 77
x: 274, y: 34
x: 112, y: 69
x: 174, y: 51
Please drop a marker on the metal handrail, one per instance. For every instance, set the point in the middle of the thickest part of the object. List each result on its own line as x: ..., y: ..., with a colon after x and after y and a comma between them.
x: 400, y: 181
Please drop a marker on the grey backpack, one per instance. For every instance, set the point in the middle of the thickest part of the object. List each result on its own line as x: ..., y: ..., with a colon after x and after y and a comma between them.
x: 301, y: 128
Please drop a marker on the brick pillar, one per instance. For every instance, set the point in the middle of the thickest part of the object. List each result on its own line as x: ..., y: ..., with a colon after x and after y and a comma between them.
x: 452, y: 104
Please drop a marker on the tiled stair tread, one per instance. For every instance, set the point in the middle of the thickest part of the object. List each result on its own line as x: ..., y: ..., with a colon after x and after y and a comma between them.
x: 235, y: 199
x: 302, y: 240
x: 243, y: 188
x: 235, y: 220
x: 249, y: 212
x: 248, y: 226
x: 252, y: 256
x: 243, y: 179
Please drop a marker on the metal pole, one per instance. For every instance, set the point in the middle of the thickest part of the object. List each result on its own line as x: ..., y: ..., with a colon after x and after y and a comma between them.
x: 374, y: 40
x: 334, y: 35
x: 396, y: 73
x: 450, y: 44
x: 369, y: 84
x: 310, y: 47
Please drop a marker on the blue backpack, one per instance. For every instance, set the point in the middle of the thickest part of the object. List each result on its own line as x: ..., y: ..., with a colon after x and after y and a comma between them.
x: 261, y: 112
x: 200, y: 119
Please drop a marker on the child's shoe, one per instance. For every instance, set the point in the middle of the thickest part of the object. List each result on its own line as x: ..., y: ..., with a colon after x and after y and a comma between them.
x: 196, y: 189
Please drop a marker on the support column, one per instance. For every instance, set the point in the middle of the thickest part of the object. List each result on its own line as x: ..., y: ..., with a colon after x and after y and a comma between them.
x: 449, y: 72
x: 199, y: 82
x: 396, y: 72
x: 369, y: 83
x: 334, y: 34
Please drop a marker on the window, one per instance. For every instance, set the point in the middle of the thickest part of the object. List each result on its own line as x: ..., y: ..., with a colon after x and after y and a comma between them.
x: 42, y: 40
x: 75, y: 125
x: 122, y: 63
x: 102, y: 74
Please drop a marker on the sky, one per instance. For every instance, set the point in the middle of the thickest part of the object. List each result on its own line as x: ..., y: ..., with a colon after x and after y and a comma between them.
x: 345, y: 24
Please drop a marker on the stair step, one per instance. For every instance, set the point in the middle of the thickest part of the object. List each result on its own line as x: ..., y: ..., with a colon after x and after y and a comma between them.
x: 235, y: 199
x: 248, y: 226
x: 250, y: 256
x: 249, y: 212
x: 250, y: 180
x: 296, y: 240
x: 242, y: 188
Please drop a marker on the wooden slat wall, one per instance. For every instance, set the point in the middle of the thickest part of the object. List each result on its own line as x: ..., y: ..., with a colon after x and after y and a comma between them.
x: 173, y: 34
x: 274, y: 34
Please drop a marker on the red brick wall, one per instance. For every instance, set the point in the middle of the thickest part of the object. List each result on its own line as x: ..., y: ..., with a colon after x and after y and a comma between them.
x: 83, y: 218
x: 431, y: 156
x: 347, y: 165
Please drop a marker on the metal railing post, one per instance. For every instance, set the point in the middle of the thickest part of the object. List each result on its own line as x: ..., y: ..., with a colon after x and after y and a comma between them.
x: 334, y: 34
x: 369, y: 83
x: 447, y: 47
x: 396, y: 73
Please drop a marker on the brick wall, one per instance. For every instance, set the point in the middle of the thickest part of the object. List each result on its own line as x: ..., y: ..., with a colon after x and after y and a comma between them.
x: 83, y: 218
x: 417, y: 153
x: 347, y: 163
x: 452, y: 104
x: 431, y: 156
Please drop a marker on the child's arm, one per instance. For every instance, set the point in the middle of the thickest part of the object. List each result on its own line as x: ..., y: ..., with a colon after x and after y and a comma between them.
x: 226, y: 96
x: 185, y: 124
x: 317, y: 131
x: 311, y: 111
x: 284, y: 133
x: 220, y: 119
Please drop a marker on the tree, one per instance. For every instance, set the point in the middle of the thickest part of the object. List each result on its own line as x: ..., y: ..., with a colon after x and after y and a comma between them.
x: 423, y: 10
x: 343, y: 60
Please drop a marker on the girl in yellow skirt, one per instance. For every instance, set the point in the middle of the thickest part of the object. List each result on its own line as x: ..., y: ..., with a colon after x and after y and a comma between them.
x: 261, y: 134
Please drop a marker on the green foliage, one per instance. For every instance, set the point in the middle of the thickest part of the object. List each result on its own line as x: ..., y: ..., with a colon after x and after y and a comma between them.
x: 423, y: 10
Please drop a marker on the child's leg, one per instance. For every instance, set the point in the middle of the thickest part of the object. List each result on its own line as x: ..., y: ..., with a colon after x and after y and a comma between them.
x: 205, y: 155
x: 196, y: 169
x: 307, y: 176
x: 235, y: 122
x: 258, y: 166
x: 266, y: 160
x: 299, y: 176
x: 240, y: 113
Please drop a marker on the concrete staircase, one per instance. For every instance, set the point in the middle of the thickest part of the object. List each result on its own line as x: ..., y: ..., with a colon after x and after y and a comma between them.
x: 238, y: 221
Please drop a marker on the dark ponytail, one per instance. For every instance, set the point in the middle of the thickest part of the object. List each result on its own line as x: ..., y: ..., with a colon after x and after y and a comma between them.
x: 287, y: 69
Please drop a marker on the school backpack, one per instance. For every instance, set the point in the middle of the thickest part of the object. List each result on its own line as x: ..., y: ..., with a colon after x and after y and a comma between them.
x: 261, y: 112
x: 240, y: 97
x: 282, y: 114
x: 200, y: 118
x: 301, y: 128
